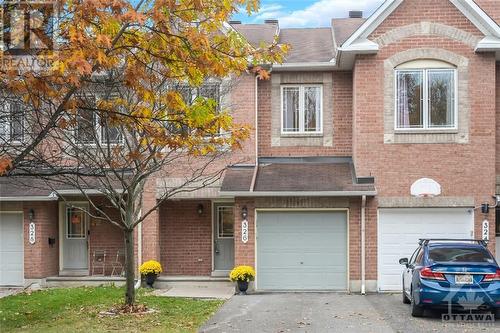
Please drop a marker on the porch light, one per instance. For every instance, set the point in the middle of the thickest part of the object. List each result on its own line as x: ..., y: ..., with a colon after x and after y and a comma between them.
x: 200, y: 209
x: 244, y: 212
x: 31, y: 214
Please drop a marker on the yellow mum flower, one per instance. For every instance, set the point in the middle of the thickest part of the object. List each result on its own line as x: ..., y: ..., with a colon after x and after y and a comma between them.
x: 150, y: 267
x: 242, y: 273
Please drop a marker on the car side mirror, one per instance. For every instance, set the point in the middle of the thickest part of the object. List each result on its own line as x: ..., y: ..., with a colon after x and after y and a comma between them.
x: 403, y: 261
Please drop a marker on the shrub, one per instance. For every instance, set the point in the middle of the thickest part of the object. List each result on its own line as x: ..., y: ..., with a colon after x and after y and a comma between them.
x: 242, y: 273
x: 150, y: 267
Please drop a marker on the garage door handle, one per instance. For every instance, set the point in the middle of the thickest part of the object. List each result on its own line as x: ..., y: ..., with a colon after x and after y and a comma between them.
x: 302, y: 263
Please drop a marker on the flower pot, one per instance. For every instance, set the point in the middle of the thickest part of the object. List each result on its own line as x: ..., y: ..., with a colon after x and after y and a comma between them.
x: 243, y: 287
x: 150, y: 279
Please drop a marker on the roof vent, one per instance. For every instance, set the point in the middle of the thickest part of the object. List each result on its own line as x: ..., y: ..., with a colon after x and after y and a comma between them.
x: 271, y: 21
x: 234, y: 22
x: 355, y: 14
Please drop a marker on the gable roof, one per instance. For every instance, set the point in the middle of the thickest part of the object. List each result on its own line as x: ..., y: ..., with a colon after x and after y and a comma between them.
x: 343, y: 28
x: 359, y: 42
x: 308, y: 44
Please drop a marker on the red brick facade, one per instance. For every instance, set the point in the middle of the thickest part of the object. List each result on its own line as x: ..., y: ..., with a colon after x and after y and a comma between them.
x: 182, y: 239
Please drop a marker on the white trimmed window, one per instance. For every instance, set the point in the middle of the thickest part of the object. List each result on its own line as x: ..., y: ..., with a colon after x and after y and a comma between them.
x: 301, y: 109
x: 91, y: 128
x: 12, y: 122
x: 426, y: 96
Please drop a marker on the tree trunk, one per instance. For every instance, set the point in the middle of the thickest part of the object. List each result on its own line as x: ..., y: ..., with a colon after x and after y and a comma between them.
x: 129, y: 267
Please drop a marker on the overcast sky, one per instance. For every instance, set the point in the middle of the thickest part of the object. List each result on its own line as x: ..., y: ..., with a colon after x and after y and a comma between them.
x: 307, y: 13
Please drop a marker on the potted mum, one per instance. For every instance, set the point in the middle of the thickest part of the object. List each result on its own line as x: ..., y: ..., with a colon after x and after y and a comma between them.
x: 242, y: 275
x: 150, y: 271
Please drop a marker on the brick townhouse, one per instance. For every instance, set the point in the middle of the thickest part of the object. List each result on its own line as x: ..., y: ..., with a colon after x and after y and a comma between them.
x: 373, y: 133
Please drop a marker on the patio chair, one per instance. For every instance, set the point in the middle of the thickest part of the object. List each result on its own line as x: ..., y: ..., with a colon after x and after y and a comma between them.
x: 99, y: 261
x: 118, y: 263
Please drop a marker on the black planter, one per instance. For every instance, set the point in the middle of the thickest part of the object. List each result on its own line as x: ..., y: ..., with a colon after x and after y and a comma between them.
x: 150, y: 279
x: 243, y: 287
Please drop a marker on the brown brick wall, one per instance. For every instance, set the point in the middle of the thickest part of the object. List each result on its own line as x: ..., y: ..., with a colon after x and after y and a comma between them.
x: 40, y: 259
x: 461, y: 169
x: 186, y: 238
x: 342, y: 122
x: 491, y: 7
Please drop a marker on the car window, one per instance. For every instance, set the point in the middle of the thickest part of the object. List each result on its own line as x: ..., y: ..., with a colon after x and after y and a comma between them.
x: 459, y: 254
x: 414, y: 256
x: 418, y: 259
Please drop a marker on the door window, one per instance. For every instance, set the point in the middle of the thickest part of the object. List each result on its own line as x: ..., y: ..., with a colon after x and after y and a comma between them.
x: 75, y: 223
x: 225, y: 222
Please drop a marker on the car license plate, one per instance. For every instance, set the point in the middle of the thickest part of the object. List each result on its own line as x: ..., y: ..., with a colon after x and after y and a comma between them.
x: 464, y: 279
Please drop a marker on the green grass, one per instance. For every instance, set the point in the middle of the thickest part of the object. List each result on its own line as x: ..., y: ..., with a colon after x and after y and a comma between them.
x: 77, y: 310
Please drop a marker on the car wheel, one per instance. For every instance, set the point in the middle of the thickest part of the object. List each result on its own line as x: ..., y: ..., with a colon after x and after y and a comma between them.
x: 406, y: 300
x: 416, y: 310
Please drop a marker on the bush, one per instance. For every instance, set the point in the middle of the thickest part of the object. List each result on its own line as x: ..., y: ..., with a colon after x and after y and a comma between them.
x: 150, y: 267
x: 242, y: 273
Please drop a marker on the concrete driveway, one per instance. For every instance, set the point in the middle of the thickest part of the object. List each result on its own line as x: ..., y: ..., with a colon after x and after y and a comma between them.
x: 327, y: 312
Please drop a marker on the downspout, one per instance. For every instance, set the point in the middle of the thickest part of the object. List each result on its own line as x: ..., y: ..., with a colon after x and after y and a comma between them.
x: 363, y: 240
x: 256, y: 169
x: 139, y: 254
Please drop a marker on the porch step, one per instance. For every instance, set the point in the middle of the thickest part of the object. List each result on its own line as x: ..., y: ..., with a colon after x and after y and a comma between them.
x: 165, y: 282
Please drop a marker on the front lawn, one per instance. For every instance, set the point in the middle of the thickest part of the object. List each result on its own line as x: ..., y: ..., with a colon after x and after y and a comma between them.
x: 77, y: 310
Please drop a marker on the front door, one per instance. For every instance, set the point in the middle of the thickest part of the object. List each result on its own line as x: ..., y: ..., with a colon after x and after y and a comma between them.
x: 75, y: 251
x: 223, y: 237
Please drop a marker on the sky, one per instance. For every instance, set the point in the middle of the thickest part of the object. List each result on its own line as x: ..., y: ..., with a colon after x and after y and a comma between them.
x: 307, y: 13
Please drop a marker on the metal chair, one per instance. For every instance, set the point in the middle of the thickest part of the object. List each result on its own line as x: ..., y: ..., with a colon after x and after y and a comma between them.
x: 99, y: 261
x: 118, y: 263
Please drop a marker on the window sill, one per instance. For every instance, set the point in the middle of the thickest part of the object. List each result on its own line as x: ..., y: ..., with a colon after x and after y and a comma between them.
x: 301, y: 135
x: 426, y: 131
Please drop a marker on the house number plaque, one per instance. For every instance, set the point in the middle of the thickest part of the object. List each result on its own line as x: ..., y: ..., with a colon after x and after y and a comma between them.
x: 32, y: 233
x: 244, y: 231
x: 486, y: 230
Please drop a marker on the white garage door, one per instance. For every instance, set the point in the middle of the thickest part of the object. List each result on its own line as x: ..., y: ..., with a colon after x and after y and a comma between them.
x: 302, y: 250
x: 11, y: 249
x: 400, y: 229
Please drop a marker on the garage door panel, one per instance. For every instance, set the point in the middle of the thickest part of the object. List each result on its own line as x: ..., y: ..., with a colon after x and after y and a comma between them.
x: 301, y: 250
x: 11, y: 249
x: 400, y: 229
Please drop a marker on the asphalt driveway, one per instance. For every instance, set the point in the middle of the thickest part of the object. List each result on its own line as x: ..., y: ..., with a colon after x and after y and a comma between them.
x: 328, y: 312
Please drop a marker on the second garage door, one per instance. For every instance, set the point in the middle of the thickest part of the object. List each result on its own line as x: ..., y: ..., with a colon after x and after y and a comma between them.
x: 400, y: 229
x: 301, y: 250
x: 11, y: 249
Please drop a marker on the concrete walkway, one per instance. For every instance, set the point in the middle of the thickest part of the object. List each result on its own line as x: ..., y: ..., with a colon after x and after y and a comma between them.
x: 194, y: 291
x: 327, y: 312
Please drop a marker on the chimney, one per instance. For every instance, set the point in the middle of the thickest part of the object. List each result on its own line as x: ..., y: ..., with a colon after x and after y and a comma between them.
x: 355, y: 14
x: 271, y: 21
x: 234, y: 22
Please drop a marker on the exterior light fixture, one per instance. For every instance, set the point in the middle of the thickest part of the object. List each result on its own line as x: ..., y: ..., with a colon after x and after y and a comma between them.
x: 485, y: 208
x: 200, y: 209
x: 31, y: 214
x: 244, y: 212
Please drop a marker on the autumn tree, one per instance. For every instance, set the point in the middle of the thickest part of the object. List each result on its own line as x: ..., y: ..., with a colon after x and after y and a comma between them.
x: 110, y: 112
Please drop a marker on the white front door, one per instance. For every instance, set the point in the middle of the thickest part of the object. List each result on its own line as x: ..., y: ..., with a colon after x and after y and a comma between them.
x: 400, y: 229
x: 223, y: 238
x: 11, y: 249
x: 74, y: 240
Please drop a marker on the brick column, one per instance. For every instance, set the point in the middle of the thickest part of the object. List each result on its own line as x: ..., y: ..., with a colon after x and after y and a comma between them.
x: 244, y: 253
x: 150, y: 226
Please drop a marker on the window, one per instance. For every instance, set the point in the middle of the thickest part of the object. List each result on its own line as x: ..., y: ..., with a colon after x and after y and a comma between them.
x: 75, y: 223
x: 12, y: 122
x: 426, y: 98
x: 225, y: 221
x: 301, y: 107
x: 459, y: 254
x: 91, y: 128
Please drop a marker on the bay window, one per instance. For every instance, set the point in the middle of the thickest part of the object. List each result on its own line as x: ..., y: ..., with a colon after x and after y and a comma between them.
x: 426, y: 98
x: 301, y: 108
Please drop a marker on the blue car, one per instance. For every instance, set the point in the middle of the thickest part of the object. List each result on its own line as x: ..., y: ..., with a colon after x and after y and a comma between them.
x: 451, y: 274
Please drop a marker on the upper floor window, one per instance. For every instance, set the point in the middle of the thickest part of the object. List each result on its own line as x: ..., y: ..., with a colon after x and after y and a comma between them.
x: 301, y: 108
x: 91, y: 128
x: 426, y: 95
x: 12, y: 122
